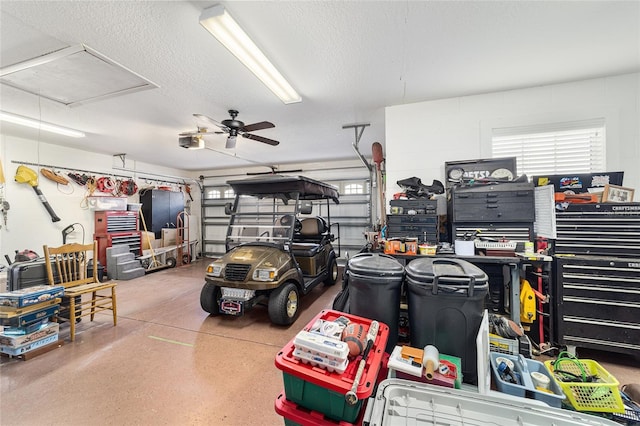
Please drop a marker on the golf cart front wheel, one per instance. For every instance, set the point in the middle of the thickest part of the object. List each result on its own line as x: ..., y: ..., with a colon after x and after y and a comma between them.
x: 284, y: 304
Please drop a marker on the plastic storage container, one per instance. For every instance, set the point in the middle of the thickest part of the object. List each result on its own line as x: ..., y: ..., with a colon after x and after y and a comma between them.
x: 295, y: 415
x: 600, y: 396
x: 375, y: 285
x: 446, y: 301
x: 524, y: 367
x: 400, y: 402
x: 323, y: 391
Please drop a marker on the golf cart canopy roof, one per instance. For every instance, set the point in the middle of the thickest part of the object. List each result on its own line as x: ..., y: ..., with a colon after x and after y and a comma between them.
x: 285, y: 186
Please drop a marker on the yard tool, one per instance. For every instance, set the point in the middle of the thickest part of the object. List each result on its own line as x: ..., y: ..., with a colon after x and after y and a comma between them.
x: 351, y: 396
x: 26, y: 175
x: 378, y: 158
x: 187, y: 189
x: 4, y: 204
x: 53, y: 176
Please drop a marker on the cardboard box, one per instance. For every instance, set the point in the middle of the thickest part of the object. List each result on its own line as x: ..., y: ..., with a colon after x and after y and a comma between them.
x: 169, y: 237
x: 147, y: 240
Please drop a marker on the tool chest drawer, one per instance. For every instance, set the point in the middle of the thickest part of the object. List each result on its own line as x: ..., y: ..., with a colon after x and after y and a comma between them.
x: 420, y: 206
x: 493, y: 203
x: 611, y: 229
x: 599, y: 302
x: 497, y: 231
x: 115, y: 221
x: 423, y: 227
x: 412, y: 219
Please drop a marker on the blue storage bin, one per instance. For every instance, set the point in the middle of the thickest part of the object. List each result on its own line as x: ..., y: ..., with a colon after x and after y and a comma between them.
x: 519, y: 367
x: 524, y: 367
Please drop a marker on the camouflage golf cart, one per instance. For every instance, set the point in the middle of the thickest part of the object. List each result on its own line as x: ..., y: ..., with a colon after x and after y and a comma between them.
x: 278, y: 247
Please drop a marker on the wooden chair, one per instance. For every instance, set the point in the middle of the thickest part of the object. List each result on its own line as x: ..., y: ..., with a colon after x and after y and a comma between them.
x: 67, y: 266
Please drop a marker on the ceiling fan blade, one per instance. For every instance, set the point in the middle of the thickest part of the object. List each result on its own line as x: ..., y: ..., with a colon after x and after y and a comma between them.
x: 260, y: 139
x: 209, y: 120
x: 257, y: 126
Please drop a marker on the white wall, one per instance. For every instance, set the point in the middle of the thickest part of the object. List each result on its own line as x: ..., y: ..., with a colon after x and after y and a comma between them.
x: 28, y: 223
x: 421, y: 137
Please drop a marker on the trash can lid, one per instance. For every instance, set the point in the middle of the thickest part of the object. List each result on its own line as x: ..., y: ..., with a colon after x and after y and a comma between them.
x: 424, y: 270
x: 375, y: 264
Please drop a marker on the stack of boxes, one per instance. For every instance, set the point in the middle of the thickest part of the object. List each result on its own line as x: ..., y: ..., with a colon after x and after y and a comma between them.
x: 313, y: 395
x: 25, y: 316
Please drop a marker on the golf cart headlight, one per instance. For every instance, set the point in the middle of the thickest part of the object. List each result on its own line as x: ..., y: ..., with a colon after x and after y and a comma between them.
x: 215, y: 270
x: 264, y: 275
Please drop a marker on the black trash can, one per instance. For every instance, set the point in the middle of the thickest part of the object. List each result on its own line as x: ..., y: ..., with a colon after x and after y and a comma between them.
x: 446, y: 301
x: 375, y: 284
x: 99, y: 267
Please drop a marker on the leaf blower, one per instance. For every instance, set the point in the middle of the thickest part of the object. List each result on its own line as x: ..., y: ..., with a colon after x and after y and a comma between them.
x: 26, y: 175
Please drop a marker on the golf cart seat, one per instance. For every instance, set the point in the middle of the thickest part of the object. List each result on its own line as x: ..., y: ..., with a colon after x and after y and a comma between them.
x: 313, y: 230
x: 308, y: 241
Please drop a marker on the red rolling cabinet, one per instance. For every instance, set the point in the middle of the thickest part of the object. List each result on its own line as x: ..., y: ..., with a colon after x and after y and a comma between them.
x: 113, y: 227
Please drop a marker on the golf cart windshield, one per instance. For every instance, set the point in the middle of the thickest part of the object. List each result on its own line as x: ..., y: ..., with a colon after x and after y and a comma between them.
x: 265, y: 219
x: 266, y: 208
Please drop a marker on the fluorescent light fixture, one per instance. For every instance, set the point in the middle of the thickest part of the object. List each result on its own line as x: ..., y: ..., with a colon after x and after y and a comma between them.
x: 223, y: 27
x: 37, y: 124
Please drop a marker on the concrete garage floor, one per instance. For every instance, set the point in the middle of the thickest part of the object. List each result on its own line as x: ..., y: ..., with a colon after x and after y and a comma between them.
x: 168, y: 363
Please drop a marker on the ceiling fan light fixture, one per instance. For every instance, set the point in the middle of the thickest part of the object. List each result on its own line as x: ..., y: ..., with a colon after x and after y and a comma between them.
x: 224, y: 28
x: 231, y: 142
x: 41, y: 125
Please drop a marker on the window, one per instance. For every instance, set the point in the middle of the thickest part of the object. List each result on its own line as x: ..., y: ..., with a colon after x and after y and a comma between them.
x: 559, y: 148
x: 212, y: 194
x: 220, y: 193
x: 353, y: 188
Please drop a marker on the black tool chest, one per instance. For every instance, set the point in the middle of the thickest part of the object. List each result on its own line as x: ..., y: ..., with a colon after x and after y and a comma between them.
x: 610, y: 229
x: 505, y: 202
x: 498, y: 211
x: 599, y: 302
x: 415, y: 219
x: 598, y: 276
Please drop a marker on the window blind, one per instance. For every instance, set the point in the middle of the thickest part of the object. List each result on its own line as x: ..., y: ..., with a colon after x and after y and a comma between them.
x: 557, y: 148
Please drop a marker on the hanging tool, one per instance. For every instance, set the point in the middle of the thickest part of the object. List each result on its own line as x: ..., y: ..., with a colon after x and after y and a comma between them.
x: 26, y: 175
x: 187, y: 189
x: 378, y: 158
x: 351, y: 396
x: 53, y: 176
x: 4, y: 204
x: 66, y: 231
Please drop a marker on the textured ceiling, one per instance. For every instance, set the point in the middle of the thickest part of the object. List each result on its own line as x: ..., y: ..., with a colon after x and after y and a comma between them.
x: 348, y: 60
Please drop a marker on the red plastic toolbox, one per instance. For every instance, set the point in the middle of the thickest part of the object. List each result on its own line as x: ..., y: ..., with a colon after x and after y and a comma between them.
x: 319, y: 390
x: 296, y: 415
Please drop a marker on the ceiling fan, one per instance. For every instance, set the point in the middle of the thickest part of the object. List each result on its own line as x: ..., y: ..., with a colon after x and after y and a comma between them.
x: 233, y: 128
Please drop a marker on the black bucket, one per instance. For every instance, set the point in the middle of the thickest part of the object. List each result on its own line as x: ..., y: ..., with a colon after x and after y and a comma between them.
x: 90, y: 270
